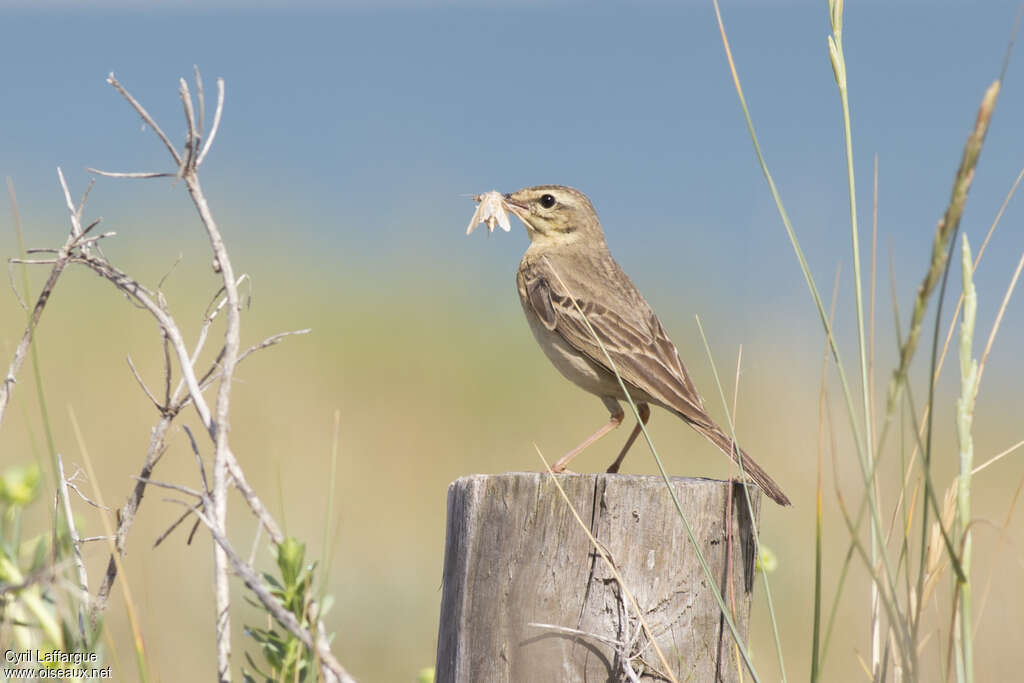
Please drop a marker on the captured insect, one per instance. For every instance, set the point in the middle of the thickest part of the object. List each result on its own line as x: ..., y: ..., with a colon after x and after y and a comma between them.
x: 491, y: 210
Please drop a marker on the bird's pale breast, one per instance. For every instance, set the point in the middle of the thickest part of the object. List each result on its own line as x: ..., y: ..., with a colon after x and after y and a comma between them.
x: 573, y: 365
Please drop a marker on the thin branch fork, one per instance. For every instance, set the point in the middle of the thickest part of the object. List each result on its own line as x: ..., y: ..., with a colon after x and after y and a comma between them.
x: 156, y: 449
x: 217, y: 424
x: 76, y: 548
x: 60, y: 260
x: 194, y: 156
x: 330, y: 667
x: 157, y: 445
x: 187, y: 168
x: 146, y: 298
x: 77, y: 250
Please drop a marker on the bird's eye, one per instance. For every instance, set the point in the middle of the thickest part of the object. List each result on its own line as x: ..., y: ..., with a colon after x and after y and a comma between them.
x: 547, y: 200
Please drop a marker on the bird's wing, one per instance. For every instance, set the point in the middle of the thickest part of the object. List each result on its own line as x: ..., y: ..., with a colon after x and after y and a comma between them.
x: 630, y: 332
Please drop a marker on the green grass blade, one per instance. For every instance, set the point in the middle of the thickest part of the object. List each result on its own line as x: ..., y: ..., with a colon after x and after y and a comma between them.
x: 816, y: 652
x: 838, y: 59
x: 750, y: 507
x: 37, y: 372
x: 671, y: 490
x: 847, y: 395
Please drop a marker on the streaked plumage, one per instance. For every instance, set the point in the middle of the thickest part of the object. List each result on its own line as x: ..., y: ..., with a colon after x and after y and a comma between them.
x: 569, y: 259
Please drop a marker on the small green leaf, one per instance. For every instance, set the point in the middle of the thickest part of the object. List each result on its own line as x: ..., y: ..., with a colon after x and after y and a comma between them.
x: 325, y: 605
x: 766, y: 561
x: 290, y: 554
x: 19, y: 485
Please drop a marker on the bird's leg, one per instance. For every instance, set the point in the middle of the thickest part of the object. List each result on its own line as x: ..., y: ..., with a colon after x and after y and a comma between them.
x: 615, y: 420
x: 645, y: 415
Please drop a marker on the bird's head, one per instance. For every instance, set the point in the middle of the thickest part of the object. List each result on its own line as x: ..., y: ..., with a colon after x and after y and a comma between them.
x: 555, y: 214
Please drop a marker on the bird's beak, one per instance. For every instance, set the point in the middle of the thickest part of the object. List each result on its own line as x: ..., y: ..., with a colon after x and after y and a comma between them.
x: 519, y: 208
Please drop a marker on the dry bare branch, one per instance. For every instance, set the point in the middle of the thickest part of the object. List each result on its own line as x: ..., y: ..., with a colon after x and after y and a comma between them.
x: 134, y: 174
x: 175, y: 524
x: 145, y: 117
x: 74, y: 487
x: 32, y: 261
x: 271, y: 341
x: 222, y: 454
x: 216, y: 424
x: 216, y: 121
x: 58, y: 263
x: 331, y: 669
x: 211, y: 503
x: 81, y: 202
x: 199, y: 459
x: 202, y: 107
x: 193, y: 133
x: 253, y: 501
x: 76, y: 224
x: 144, y: 297
x: 93, y: 240
x: 142, y: 384
x: 127, y: 513
x: 82, y: 599
x: 14, y: 286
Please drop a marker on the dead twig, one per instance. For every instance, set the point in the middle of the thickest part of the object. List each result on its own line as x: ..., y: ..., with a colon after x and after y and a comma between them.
x: 145, y: 117
x: 145, y: 389
x: 216, y: 422
x: 330, y: 668
x: 82, y: 599
x: 210, y: 505
x: 60, y: 261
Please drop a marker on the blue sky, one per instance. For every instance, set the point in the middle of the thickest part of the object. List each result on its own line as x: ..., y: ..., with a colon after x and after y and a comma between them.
x: 355, y: 133
x: 352, y: 133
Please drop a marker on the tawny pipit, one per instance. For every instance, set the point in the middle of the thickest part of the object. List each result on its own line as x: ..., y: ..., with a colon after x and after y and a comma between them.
x: 569, y: 260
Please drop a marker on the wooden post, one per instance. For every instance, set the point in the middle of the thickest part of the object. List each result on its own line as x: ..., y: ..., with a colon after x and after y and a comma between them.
x: 515, y: 557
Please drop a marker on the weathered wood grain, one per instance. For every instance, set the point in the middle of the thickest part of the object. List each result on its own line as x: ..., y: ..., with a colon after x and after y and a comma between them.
x: 515, y: 556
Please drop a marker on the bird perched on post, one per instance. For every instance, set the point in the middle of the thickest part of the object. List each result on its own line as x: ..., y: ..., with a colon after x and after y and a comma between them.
x: 568, y: 269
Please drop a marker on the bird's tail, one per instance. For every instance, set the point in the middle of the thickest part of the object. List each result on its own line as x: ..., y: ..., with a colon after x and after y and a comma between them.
x: 716, y: 436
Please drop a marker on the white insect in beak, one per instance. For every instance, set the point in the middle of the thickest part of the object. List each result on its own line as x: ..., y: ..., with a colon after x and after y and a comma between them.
x: 491, y: 210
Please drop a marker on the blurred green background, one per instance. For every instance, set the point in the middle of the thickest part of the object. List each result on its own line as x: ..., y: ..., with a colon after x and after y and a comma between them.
x: 352, y: 138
